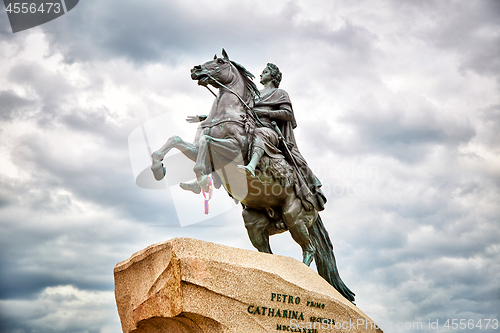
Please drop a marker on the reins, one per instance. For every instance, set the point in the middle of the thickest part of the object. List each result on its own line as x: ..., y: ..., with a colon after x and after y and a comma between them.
x: 230, y: 90
x: 250, y: 110
x: 239, y: 122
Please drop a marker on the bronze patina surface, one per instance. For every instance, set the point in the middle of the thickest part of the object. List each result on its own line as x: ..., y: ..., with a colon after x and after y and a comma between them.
x: 246, y: 143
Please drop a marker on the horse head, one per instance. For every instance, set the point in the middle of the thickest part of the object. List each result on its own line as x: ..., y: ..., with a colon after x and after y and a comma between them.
x: 215, y: 72
x: 222, y: 72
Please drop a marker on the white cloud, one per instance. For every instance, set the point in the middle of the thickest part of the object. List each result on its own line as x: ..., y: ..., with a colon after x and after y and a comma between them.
x: 63, y: 309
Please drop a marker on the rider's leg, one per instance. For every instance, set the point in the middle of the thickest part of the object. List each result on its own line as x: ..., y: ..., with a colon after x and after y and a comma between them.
x: 296, y: 219
x: 254, y: 161
x: 265, y: 140
x: 256, y: 224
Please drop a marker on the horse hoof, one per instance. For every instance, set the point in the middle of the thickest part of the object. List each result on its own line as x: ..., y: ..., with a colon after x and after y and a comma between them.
x: 204, y: 183
x: 246, y: 170
x: 193, y: 187
x: 307, y: 257
x: 157, y: 157
x: 158, y: 170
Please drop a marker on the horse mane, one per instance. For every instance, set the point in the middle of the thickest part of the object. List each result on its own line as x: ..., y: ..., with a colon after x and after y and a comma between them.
x: 251, y: 87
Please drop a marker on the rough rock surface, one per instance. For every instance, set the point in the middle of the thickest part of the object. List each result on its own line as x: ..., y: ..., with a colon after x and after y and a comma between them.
x: 188, y: 285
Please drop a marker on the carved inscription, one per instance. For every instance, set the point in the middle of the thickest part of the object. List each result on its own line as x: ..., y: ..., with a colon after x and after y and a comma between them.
x: 292, y: 329
x: 283, y: 298
x: 272, y: 312
x: 296, y: 317
x: 315, y: 305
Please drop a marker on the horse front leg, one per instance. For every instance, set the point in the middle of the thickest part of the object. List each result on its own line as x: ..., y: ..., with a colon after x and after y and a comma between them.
x: 203, y: 166
x: 188, y: 149
x: 213, y: 153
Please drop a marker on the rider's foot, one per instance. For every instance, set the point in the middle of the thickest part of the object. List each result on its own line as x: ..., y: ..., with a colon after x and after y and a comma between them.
x: 158, y: 170
x: 246, y: 169
x: 193, y: 187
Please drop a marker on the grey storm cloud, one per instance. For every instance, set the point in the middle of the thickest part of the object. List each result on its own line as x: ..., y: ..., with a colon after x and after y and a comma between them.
x: 82, y: 177
x: 491, y: 122
x: 50, y: 89
x: 168, y: 30
x: 151, y: 31
x: 405, y: 129
x: 12, y: 105
x: 472, y: 30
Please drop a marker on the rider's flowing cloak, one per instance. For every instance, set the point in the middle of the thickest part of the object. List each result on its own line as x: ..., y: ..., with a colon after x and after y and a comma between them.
x: 278, y: 107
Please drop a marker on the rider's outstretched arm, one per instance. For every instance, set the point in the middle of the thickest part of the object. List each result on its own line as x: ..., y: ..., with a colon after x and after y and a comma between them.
x: 196, y: 119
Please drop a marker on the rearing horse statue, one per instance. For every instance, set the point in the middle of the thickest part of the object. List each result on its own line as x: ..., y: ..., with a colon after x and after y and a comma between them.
x: 268, y: 196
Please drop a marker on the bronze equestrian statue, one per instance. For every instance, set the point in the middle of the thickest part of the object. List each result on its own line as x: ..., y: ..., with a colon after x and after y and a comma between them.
x: 247, y: 144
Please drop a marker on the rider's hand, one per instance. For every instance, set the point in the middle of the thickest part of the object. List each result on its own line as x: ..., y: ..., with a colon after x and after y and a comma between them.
x: 195, y: 119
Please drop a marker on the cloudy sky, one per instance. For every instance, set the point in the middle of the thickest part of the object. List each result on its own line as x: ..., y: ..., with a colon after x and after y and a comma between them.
x: 398, y: 112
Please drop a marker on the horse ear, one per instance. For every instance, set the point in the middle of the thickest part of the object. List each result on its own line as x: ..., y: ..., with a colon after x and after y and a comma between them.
x: 215, y: 56
x: 224, y: 54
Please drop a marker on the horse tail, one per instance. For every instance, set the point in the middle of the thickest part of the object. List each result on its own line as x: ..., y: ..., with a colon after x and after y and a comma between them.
x: 325, y: 259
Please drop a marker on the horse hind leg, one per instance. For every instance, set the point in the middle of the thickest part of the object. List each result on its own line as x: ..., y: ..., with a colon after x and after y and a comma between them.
x: 257, y: 224
x: 188, y: 149
x: 306, y: 219
x: 298, y: 220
